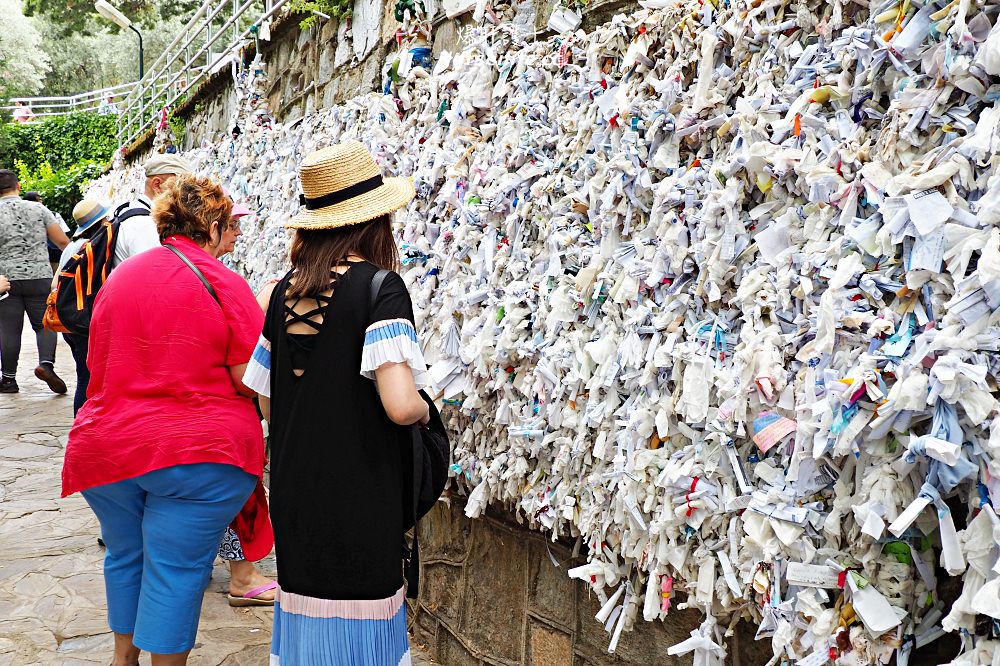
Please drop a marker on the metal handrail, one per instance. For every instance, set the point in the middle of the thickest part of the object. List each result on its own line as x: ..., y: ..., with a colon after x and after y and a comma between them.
x: 62, y: 105
x: 159, y: 88
x: 172, y: 74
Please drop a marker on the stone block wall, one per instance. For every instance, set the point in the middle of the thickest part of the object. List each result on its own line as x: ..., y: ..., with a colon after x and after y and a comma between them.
x: 319, y: 67
x: 491, y: 594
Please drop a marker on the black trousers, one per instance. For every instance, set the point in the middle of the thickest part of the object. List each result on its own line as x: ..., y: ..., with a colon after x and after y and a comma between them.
x: 78, y: 345
x: 27, y: 297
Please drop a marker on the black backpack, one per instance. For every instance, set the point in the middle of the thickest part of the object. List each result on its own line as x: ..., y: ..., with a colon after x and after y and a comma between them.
x: 430, y: 456
x: 71, y: 304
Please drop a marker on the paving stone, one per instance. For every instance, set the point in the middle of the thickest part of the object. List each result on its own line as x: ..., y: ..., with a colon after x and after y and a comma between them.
x: 52, y: 604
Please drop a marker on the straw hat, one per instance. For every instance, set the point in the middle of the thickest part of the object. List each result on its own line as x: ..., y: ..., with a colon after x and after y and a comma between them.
x: 87, y: 213
x: 342, y: 185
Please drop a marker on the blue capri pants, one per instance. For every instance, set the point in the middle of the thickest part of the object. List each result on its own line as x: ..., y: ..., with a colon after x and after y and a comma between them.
x: 162, y: 531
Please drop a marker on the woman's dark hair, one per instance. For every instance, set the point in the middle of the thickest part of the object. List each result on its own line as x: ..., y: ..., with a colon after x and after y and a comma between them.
x: 188, y: 207
x: 315, y: 252
x: 32, y: 196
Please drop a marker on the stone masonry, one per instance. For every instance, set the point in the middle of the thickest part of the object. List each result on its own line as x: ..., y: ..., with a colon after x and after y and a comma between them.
x: 495, y: 593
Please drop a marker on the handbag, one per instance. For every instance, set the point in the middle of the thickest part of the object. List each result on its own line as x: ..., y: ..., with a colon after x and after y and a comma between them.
x: 253, y: 523
x: 421, y: 490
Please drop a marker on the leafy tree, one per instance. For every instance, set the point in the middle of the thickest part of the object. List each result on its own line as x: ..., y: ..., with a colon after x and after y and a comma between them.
x: 73, y: 16
x: 58, y: 156
x: 100, y: 57
x: 23, y: 64
x: 62, y: 189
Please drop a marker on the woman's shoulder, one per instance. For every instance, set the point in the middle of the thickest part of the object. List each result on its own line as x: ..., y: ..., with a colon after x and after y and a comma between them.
x: 264, y: 295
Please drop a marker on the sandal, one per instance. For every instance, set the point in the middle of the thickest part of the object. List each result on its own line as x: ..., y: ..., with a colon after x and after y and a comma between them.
x: 250, y: 598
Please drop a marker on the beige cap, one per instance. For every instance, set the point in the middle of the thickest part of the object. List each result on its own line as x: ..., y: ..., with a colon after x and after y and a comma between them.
x: 167, y: 164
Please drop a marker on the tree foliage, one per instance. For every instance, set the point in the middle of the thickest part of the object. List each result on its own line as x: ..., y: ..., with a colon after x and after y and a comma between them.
x: 74, y: 16
x: 336, y: 9
x: 100, y: 57
x: 23, y: 63
x: 60, y: 189
x: 59, y: 156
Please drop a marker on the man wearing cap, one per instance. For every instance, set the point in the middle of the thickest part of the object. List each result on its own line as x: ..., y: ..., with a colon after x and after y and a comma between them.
x: 24, y: 226
x: 138, y: 233
x: 89, y: 216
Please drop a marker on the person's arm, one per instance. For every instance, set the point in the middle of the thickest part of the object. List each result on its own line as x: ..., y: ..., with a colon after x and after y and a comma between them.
x: 4, y: 284
x: 398, y: 392
x: 392, y: 357
x: 255, y: 375
x: 237, y: 372
x: 57, y: 235
x: 262, y: 355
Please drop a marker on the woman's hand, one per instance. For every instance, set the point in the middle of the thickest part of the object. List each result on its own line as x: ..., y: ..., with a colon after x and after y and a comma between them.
x: 4, y: 284
x: 426, y: 418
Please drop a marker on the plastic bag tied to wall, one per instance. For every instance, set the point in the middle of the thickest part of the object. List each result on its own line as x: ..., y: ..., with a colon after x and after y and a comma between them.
x: 713, y: 290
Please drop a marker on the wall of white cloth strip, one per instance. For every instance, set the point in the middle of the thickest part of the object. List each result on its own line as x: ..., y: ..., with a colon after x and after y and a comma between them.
x: 719, y: 283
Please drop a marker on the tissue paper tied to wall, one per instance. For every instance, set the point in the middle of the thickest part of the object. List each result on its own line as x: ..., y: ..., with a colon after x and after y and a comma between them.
x: 713, y: 291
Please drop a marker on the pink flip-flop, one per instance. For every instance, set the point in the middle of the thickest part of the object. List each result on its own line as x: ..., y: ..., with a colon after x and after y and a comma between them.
x: 250, y: 598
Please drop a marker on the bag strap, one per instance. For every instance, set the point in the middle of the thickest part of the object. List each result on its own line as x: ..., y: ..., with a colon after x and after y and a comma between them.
x: 201, y: 276
x: 376, y: 287
x: 412, y: 554
x: 130, y: 213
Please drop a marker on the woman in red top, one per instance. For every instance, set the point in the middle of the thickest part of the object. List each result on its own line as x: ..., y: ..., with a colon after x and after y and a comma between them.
x: 168, y: 447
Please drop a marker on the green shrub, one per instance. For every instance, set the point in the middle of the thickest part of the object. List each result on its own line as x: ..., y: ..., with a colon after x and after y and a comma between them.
x: 60, y: 141
x: 60, y: 189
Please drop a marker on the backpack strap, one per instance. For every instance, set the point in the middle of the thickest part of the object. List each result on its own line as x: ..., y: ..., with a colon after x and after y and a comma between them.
x: 131, y: 212
x: 201, y: 276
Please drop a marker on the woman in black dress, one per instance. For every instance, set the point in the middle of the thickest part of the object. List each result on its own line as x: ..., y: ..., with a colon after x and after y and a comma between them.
x: 339, y: 380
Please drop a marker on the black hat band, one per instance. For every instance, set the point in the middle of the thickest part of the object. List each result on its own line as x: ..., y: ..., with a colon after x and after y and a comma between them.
x: 339, y: 196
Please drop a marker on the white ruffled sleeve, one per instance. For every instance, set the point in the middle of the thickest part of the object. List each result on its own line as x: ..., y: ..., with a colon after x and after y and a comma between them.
x: 393, y: 341
x: 258, y: 373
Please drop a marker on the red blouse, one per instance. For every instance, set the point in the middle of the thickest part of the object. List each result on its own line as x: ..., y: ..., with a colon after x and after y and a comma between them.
x: 160, y: 389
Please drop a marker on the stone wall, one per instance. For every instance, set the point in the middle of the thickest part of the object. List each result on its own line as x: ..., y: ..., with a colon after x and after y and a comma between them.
x: 318, y: 67
x: 211, y: 118
x: 491, y: 593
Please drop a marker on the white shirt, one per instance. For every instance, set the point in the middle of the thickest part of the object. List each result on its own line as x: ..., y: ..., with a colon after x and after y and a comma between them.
x: 70, y: 250
x: 136, y: 234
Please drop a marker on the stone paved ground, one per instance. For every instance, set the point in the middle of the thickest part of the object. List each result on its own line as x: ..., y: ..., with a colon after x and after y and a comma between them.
x: 52, y: 607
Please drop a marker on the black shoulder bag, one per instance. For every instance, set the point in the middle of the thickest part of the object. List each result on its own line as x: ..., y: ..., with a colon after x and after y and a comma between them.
x: 431, y: 453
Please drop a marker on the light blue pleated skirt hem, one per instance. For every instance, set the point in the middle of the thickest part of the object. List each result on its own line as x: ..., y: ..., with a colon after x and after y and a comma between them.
x: 323, y: 632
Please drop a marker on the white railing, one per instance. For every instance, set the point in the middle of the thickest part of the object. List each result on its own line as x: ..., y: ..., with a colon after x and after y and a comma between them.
x: 44, y: 107
x: 193, y: 55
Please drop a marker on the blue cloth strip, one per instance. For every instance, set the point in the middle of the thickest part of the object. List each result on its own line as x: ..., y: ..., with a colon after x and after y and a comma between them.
x: 391, y: 330
x: 262, y: 356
